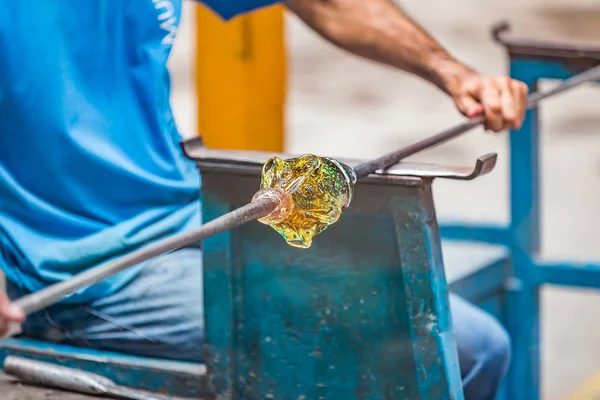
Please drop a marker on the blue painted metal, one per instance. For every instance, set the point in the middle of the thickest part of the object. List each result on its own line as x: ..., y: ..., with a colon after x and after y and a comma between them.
x: 493, y: 305
x: 483, y: 282
x: 519, y: 290
x: 357, y: 316
x: 531, y: 70
x: 159, y: 376
x: 577, y: 274
x: 522, y: 316
x: 493, y: 234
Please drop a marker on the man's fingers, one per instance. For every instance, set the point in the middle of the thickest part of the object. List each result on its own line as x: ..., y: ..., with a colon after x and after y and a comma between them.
x: 510, y: 107
x: 502, y: 100
x: 469, y: 106
x: 492, y: 105
x: 9, y: 311
x: 520, y: 93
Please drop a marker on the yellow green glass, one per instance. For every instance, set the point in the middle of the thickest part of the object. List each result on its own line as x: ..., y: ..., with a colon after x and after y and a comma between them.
x: 319, y: 188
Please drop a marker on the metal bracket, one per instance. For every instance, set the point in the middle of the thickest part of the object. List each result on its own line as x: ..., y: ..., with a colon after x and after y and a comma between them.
x: 252, y: 161
x: 483, y: 165
x: 576, y: 57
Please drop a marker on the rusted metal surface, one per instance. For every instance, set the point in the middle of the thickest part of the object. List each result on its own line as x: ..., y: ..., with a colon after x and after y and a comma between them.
x: 574, y: 56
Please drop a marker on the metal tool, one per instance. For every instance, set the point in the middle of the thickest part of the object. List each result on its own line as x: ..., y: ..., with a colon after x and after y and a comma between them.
x: 258, y: 209
x: 73, y: 380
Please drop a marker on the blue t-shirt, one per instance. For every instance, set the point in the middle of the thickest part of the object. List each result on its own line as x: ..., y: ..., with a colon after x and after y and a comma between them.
x: 90, y: 164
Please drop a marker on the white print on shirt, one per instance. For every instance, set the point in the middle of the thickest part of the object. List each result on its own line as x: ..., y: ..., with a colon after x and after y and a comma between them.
x: 167, y: 19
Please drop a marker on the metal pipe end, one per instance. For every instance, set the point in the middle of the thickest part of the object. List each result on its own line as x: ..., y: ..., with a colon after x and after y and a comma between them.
x: 285, y: 204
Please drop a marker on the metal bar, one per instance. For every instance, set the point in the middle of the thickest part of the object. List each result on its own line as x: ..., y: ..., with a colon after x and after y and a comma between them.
x: 522, y: 297
x: 580, y: 275
x: 545, y: 49
x: 73, y: 380
x: 483, y: 283
x: 493, y: 234
x: 251, y: 163
x: 387, y: 160
x: 53, y: 294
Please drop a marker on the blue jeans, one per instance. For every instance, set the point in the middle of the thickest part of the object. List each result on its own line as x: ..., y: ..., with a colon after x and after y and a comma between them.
x: 159, y: 314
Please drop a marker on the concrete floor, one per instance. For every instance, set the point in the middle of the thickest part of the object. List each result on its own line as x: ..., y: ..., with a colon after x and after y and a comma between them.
x: 340, y: 105
x: 328, y: 88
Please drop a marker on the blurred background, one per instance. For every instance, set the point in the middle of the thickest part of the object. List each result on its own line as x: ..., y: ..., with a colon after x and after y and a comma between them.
x: 340, y: 105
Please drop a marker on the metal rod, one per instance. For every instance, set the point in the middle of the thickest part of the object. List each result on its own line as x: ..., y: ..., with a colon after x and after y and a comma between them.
x: 254, y: 210
x: 57, y: 376
x: 54, y: 293
x: 387, y: 160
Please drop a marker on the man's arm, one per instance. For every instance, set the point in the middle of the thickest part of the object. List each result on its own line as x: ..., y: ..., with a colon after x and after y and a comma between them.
x: 380, y: 31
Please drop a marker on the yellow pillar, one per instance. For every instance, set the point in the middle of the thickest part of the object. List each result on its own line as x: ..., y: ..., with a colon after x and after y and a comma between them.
x: 240, y: 79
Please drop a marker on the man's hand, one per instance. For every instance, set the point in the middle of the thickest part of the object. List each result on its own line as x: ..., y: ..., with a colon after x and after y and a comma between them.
x: 502, y: 100
x: 380, y: 31
x: 9, y: 313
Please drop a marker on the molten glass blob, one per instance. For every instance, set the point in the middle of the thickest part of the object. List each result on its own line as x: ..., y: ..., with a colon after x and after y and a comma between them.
x: 312, y: 191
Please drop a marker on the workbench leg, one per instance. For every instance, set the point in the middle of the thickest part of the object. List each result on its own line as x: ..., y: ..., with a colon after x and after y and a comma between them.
x: 426, y: 289
x: 218, y: 310
x: 522, y: 312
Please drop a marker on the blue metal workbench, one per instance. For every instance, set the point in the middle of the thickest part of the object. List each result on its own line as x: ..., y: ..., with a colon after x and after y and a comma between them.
x: 514, y: 280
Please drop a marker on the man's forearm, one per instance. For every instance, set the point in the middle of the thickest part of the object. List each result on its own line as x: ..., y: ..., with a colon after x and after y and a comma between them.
x: 380, y: 31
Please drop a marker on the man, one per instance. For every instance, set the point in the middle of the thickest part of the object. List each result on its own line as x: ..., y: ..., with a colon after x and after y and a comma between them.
x: 90, y: 166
